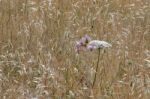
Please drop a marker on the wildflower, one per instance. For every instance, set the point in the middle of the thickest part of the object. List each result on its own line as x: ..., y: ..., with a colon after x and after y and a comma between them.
x: 90, y: 45
x: 84, y: 40
x: 96, y: 44
x: 82, y: 43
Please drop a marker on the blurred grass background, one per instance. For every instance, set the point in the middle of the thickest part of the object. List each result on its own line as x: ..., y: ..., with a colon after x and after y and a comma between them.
x: 37, y: 56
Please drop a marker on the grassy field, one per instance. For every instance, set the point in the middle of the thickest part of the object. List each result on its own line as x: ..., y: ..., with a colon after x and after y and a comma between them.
x: 37, y: 49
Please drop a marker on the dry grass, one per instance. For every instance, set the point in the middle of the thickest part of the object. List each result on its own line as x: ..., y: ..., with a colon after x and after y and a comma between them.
x: 37, y: 57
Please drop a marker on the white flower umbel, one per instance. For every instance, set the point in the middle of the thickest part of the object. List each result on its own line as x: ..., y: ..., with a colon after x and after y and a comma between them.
x: 97, y: 44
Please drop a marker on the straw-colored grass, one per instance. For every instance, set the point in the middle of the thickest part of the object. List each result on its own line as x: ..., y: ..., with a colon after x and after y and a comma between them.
x: 38, y: 60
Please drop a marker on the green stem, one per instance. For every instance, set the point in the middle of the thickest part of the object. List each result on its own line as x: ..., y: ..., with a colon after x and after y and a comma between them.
x: 96, y: 69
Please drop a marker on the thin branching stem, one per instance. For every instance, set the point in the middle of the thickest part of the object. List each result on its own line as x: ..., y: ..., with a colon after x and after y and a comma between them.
x: 96, y: 68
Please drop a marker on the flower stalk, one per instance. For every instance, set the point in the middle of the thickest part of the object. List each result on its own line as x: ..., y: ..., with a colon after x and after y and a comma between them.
x: 96, y: 71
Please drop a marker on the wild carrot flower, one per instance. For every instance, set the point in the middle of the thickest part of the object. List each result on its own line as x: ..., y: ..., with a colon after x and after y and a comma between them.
x: 97, y: 44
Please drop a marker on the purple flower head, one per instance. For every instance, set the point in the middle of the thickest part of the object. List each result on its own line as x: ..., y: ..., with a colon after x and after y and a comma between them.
x: 87, y: 39
x: 91, y: 47
x: 82, y: 43
x: 84, y: 40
